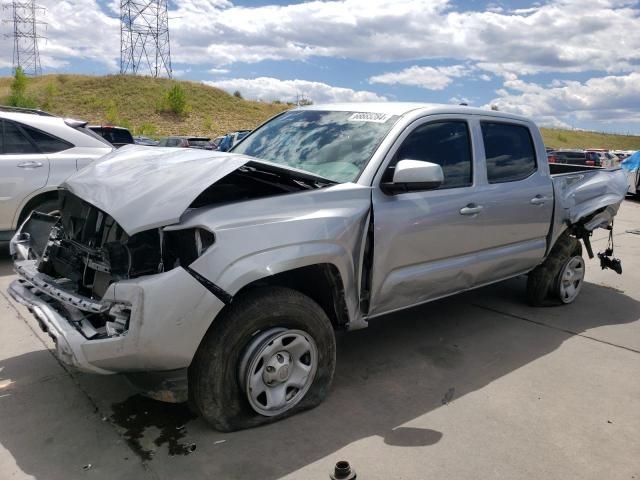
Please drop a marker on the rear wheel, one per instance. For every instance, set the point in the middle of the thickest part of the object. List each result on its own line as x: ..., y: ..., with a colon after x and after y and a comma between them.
x: 570, y: 280
x: 270, y: 355
x: 558, y: 280
x: 50, y: 207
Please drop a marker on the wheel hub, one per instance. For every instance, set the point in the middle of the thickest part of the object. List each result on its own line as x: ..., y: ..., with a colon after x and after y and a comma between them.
x: 277, y: 369
x: 571, y: 279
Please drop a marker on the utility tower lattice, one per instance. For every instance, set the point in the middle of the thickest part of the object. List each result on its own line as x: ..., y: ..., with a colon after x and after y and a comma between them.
x: 25, y: 35
x: 144, y: 38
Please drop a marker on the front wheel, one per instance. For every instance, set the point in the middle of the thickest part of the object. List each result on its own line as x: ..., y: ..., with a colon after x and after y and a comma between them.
x: 270, y: 355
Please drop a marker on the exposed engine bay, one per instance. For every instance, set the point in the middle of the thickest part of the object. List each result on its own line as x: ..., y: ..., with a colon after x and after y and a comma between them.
x: 84, y: 250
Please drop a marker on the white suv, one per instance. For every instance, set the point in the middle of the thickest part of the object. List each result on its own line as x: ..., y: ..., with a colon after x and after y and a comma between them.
x: 38, y: 152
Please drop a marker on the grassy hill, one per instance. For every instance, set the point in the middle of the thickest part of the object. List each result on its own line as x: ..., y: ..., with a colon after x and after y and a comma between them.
x: 133, y: 102
x: 557, y: 138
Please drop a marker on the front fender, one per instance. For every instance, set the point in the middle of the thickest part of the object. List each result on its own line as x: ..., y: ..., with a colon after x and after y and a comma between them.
x: 256, y: 266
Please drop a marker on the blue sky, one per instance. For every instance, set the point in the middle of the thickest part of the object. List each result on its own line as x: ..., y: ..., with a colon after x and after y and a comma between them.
x: 568, y: 63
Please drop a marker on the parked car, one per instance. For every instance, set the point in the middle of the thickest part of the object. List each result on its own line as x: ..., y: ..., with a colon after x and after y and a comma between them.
x: 631, y: 166
x: 140, y: 140
x: 38, y: 151
x: 600, y: 157
x: 622, y: 154
x: 116, y: 136
x: 215, y: 143
x: 573, y: 157
x: 230, y: 273
x: 231, y: 139
x: 203, y: 143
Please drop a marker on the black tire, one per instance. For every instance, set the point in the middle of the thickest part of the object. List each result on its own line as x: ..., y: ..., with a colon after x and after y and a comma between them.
x: 46, y: 206
x: 542, y: 280
x: 214, y: 386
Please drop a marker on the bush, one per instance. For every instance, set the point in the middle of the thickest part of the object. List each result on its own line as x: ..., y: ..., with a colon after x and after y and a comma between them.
x: 145, y: 129
x: 175, y: 100
x: 50, y: 92
x: 562, y: 138
x: 18, y: 96
x: 207, y: 123
x: 112, y: 113
x: 237, y: 94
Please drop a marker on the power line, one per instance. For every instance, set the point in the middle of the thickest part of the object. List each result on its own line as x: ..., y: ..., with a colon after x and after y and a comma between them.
x: 25, y: 35
x: 144, y: 38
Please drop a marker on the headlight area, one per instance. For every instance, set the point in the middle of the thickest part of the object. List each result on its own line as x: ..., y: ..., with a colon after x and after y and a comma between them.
x: 87, y: 252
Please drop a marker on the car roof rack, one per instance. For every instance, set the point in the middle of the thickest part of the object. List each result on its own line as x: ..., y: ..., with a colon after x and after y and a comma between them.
x: 34, y: 111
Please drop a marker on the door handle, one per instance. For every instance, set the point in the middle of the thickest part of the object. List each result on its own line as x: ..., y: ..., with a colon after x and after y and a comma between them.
x: 471, y: 209
x: 538, y: 200
x: 30, y: 164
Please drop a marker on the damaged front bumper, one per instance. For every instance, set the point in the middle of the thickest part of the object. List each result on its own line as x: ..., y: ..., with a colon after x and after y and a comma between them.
x: 67, y: 339
x: 168, y: 315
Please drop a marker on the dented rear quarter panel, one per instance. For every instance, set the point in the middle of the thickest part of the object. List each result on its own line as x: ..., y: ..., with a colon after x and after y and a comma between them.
x: 578, y: 195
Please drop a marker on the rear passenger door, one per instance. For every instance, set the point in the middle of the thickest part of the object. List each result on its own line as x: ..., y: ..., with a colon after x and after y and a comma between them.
x: 23, y: 170
x: 517, y: 199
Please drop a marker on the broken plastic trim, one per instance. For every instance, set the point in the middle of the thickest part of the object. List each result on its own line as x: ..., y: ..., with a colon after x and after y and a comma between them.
x: 224, y: 296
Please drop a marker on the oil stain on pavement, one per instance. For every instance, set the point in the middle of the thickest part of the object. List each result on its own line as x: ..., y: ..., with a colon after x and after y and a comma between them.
x: 148, y: 424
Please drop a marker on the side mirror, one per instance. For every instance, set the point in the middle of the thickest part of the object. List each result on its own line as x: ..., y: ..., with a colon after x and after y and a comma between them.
x: 414, y: 175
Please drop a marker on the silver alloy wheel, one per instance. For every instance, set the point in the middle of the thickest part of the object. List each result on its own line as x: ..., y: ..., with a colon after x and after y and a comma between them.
x: 571, y: 279
x: 277, y: 369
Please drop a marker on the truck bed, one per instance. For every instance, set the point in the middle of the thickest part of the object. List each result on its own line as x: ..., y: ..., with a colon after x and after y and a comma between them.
x: 561, y: 168
x: 581, y: 192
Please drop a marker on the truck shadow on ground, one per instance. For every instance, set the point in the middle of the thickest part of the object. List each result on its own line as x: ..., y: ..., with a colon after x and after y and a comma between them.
x: 400, y: 368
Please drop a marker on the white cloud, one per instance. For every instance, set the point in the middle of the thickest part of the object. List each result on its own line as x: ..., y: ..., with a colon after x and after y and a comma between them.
x: 556, y: 36
x: 79, y: 29
x: 218, y: 71
x: 460, y: 100
x: 430, y: 78
x: 541, y: 38
x: 609, y: 99
x: 268, y: 89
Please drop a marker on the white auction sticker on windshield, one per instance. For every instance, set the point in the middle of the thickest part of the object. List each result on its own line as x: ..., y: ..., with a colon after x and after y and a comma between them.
x: 369, y: 117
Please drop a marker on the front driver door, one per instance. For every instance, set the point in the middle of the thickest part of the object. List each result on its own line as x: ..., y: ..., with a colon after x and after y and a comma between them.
x: 424, y: 241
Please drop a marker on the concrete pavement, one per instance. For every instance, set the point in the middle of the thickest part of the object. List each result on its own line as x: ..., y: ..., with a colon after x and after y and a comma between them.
x: 475, y: 386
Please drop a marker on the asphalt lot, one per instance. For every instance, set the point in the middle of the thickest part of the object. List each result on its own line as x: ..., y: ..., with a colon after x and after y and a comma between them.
x: 477, y: 386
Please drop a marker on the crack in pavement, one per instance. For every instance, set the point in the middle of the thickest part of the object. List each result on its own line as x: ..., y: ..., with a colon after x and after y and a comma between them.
x: 542, y: 324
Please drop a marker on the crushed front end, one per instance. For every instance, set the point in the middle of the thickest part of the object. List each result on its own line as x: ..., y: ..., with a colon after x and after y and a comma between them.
x: 112, y: 302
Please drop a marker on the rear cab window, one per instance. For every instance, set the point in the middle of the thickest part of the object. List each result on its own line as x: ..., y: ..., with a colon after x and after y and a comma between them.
x: 509, y: 151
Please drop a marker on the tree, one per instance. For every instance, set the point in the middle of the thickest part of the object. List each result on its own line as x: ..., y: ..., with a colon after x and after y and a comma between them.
x: 175, y: 100
x: 18, y: 96
x: 237, y: 94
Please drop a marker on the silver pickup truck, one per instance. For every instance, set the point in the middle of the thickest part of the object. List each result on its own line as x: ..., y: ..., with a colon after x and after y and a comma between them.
x: 228, y: 273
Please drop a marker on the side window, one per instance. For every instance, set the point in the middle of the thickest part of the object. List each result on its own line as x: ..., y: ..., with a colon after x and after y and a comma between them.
x: 446, y: 143
x: 15, y: 142
x: 45, y: 142
x: 509, y: 151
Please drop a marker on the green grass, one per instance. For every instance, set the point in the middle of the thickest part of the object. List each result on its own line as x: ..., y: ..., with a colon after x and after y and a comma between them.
x: 134, y: 101
x: 557, y: 138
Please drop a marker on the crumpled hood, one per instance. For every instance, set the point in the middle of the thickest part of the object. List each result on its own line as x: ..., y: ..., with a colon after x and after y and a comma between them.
x: 148, y: 187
